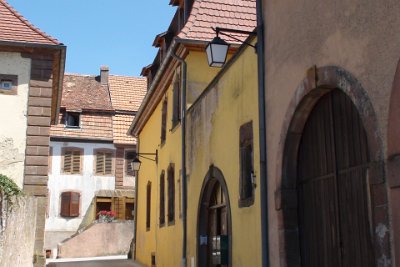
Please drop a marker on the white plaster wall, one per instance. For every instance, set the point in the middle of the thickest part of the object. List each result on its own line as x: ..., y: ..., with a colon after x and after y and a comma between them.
x: 13, y: 117
x: 86, y: 183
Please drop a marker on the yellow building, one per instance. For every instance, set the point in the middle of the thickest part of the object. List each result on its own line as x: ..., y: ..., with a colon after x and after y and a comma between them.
x: 212, y: 144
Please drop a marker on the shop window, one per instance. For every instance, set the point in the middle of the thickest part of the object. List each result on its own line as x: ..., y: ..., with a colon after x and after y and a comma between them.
x: 129, y: 157
x: 70, y: 204
x: 72, y: 120
x: 176, y: 105
x: 104, y: 162
x: 171, y: 193
x: 246, y: 196
x: 164, y: 121
x: 162, y: 198
x: 148, y: 205
x: 71, y: 158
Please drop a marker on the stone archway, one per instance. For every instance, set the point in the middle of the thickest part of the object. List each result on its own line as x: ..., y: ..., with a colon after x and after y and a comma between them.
x: 214, y: 219
x: 318, y: 83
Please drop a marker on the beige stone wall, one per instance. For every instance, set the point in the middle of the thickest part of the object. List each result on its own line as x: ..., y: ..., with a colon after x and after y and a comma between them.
x: 99, y: 239
x: 358, y: 36
x: 17, y: 236
x: 13, y: 116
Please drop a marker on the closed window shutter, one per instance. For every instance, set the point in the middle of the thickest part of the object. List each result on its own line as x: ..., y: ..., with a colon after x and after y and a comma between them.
x: 99, y: 163
x: 74, y: 208
x: 108, y: 163
x: 67, y: 161
x: 65, y: 201
x: 104, y: 163
x: 76, y: 162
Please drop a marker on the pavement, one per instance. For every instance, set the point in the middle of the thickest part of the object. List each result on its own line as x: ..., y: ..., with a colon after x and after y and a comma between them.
x: 94, y: 262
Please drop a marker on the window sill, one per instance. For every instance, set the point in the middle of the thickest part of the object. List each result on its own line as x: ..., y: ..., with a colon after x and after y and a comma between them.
x: 72, y: 127
x: 247, y: 202
x: 175, y: 126
x: 171, y: 223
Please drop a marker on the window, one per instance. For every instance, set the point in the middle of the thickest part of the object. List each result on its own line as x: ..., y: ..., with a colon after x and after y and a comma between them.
x: 246, y: 196
x: 8, y: 84
x: 162, y: 198
x: 72, y: 120
x: 176, y: 106
x: 72, y: 160
x: 164, y: 121
x: 171, y: 193
x: 104, y: 162
x: 148, y: 205
x: 70, y: 204
x: 129, y: 157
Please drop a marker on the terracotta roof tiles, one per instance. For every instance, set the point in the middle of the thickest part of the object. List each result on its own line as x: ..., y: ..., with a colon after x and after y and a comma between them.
x: 121, y: 124
x: 93, y: 126
x: 84, y: 92
x: 127, y: 92
x: 208, y: 14
x: 15, y: 28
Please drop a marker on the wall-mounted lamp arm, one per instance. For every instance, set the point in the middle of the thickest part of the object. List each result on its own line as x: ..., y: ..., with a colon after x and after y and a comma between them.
x: 222, y: 31
x: 143, y: 155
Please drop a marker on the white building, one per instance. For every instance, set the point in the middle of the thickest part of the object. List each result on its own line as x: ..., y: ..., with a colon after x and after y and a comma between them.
x: 90, y: 152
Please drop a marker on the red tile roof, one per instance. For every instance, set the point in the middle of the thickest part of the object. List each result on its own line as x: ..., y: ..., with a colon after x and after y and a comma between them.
x: 208, y: 14
x: 121, y: 125
x: 93, y: 126
x: 84, y: 92
x: 127, y: 92
x: 15, y: 28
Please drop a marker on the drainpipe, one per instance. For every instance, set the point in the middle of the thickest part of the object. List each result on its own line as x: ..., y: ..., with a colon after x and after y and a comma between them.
x: 184, y: 180
x: 262, y: 135
x: 135, y: 205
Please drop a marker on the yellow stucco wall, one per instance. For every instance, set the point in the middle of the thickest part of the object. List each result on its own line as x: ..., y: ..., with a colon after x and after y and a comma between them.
x: 213, y: 138
x: 165, y: 241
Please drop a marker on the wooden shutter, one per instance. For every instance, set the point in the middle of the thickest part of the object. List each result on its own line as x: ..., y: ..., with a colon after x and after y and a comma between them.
x: 129, y: 156
x: 171, y: 193
x: 76, y: 161
x: 148, y: 205
x: 162, y: 198
x: 67, y: 161
x: 65, y: 200
x: 74, y: 207
x: 99, y: 163
x: 108, y: 157
x: 164, y: 121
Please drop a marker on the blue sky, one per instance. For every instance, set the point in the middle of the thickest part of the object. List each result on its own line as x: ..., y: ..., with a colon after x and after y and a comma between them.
x: 117, y: 33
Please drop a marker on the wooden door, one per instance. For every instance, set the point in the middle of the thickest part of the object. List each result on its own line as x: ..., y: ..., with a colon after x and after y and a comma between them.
x: 332, y: 186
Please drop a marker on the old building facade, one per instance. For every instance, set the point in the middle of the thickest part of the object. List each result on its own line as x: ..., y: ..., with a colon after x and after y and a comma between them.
x: 31, y: 72
x: 90, y: 153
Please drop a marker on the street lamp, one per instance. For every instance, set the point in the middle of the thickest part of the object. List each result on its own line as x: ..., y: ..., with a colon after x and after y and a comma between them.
x: 217, y: 49
x: 135, y: 164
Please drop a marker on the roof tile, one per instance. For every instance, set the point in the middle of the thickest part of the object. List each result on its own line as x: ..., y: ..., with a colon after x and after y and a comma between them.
x: 15, y: 28
x: 127, y: 92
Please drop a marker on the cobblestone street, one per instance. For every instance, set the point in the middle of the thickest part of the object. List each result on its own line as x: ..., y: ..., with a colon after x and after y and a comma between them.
x: 96, y: 263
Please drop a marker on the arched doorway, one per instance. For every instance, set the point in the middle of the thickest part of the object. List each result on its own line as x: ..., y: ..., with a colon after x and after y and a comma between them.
x: 332, y: 186
x: 214, y: 222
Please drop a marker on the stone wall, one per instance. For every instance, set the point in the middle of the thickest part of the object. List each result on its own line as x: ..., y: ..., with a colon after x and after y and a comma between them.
x: 17, y: 233
x: 99, y: 239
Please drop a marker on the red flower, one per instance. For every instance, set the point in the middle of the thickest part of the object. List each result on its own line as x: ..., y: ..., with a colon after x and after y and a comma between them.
x: 112, y: 214
x: 103, y: 212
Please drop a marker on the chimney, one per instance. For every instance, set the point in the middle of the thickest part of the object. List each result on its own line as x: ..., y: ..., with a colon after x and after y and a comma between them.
x: 104, y: 75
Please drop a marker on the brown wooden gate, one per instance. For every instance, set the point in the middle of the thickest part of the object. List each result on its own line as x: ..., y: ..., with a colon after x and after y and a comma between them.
x: 334, y: 216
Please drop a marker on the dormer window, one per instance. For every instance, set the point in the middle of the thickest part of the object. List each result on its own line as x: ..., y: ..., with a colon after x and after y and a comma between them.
x: 72, y: 120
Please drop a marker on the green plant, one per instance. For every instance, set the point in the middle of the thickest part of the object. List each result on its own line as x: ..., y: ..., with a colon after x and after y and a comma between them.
x: 9, y: 187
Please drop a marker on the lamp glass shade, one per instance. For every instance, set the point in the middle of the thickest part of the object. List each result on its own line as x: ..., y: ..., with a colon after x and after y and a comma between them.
x: 136, y: 164
x: 217, y: 50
